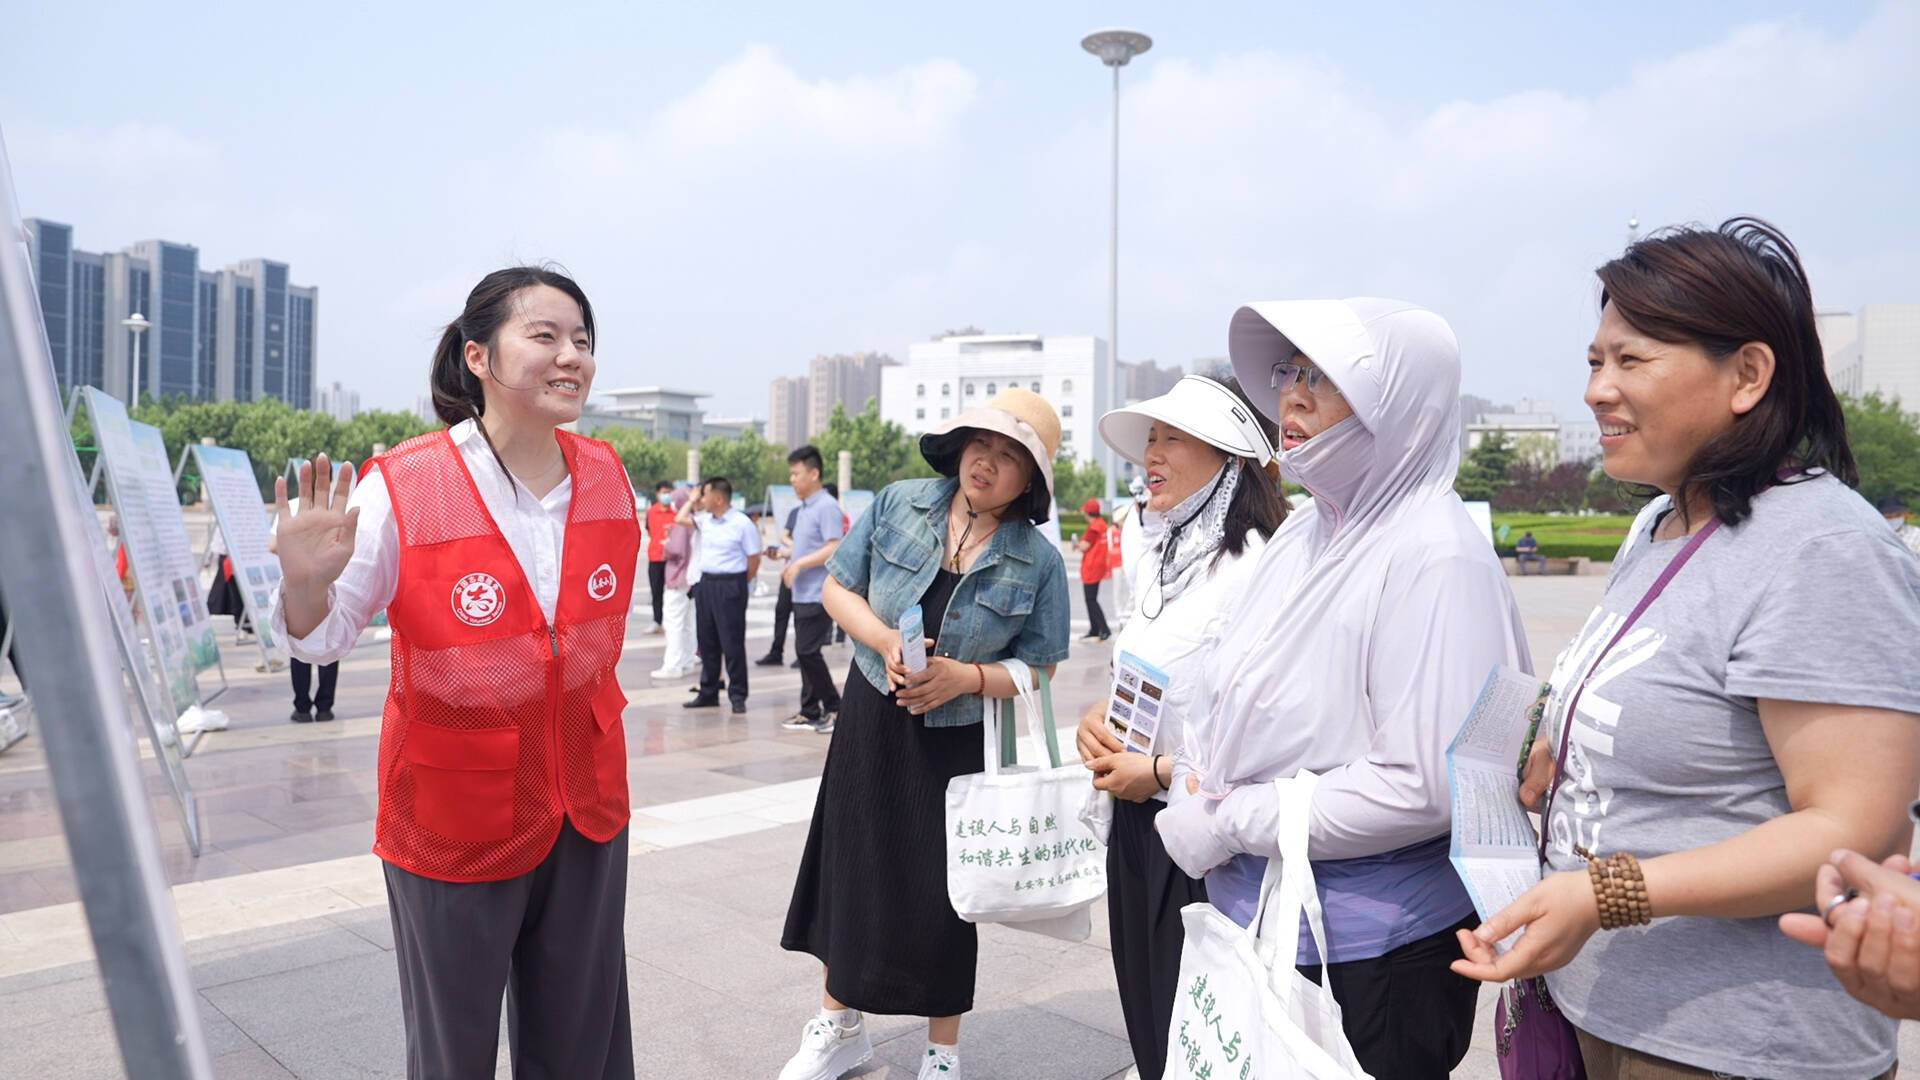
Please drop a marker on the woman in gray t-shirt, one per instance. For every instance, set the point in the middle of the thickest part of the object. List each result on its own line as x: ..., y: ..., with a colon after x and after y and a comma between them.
x: 1735, y: 720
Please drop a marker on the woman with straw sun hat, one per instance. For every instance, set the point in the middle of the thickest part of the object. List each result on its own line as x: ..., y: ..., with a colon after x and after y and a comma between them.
x: 871, y: 897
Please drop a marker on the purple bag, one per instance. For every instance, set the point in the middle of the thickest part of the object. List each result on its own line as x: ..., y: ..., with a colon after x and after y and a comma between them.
x: 1532, y: 1038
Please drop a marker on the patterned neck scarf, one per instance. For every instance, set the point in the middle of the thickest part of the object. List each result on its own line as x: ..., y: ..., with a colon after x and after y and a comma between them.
x: 1187, y: 534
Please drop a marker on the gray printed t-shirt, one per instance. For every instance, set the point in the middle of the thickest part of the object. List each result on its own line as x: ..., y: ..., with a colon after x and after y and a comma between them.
x: 1812, y: 598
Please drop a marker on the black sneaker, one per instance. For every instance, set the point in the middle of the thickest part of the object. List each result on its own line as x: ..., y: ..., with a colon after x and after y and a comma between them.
x: 796, y: 664
x: 769, y: 660
x: 801, y: 722
x: 701, y: 702
x: 825, y: 726
x: 739, y: 707
x: 301, y: 716
x: 323, y: 716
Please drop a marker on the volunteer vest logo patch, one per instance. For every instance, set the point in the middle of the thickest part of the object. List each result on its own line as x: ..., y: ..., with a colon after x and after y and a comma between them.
x: 601, y: 582
x: 477, y: 599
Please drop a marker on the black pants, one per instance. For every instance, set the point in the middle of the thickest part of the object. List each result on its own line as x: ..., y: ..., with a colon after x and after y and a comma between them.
x: 657, y: 587
x: 783, y: 609
x: 553, y: 940
x: 720, y: 617
x: 1096, y: 619
x: 811, y: 628
x: 1145, y: 892
x: 1405, y: 1014
x: 303, y: 681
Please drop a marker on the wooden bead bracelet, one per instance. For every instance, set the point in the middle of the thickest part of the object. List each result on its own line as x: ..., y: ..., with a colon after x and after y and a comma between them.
x: 1619, y: 889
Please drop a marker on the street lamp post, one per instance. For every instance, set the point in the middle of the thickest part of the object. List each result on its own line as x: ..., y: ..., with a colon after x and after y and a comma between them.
x: 1115, y: 48
x: 137, y: 323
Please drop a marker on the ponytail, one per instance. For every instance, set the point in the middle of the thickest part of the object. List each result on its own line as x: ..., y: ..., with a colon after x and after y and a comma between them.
x: 456, y: 389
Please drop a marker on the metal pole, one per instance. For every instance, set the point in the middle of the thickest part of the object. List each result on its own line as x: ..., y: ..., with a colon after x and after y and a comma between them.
x: 845, y: 470
x: 134, y: 401
x: 1113, y: 280
x: 66, y: 641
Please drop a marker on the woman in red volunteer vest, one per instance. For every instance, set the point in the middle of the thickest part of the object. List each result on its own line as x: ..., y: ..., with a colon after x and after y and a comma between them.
x: 503, y: 550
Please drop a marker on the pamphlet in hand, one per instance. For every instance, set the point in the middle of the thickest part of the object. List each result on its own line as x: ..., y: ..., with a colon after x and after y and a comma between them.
x: 913, y: 639
x: 1133, y: 712
x: 1494, y: 846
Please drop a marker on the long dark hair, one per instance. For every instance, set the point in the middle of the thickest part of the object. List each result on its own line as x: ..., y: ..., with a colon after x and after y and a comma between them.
x: 1257, y: 505
x: 1720, y: 289
x: 457, y: 393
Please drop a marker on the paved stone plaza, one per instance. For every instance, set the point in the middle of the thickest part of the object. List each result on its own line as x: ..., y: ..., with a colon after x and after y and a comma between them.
x: 285, y: 914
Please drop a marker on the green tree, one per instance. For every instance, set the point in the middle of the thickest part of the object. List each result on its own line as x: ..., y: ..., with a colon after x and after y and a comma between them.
x: 648, y: 460
x: 749, y: 463
x: 1886, y: 446
x: 882, y: 450
x: 358, y: 436
x: 1487, y: 468
x: 1074, y: 482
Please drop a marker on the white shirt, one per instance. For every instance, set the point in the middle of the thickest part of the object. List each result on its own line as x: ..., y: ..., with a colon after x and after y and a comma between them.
x: 1176, y: 638
x: 727, y: 542
x: 534, y: 528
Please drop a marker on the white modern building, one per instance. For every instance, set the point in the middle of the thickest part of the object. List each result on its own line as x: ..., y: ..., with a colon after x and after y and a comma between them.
x: 944, y: 376
x: 1529, y: 423
x: 1876, y: 350
x: 732, y: 427
x: 660, y: 412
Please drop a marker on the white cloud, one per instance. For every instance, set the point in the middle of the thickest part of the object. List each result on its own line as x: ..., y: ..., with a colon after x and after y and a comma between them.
x: 127, y: 154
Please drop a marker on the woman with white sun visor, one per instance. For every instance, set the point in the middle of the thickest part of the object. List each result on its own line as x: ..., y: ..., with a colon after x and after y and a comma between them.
x: 1362, y: 641
x: 1212, y: 505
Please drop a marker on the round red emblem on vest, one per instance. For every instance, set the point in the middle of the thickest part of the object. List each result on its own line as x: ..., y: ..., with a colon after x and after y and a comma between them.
x: 601, y: 583
x: 478, y: 600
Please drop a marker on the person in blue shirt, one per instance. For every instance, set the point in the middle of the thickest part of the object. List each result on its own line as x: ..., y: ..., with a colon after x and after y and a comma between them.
x: 871, y: 896
x: 1527, y: 550
x: 729, y: 559
x: 816, y: 530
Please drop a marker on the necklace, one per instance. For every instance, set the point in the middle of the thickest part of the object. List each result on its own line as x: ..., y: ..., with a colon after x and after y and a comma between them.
x: 960, y: 549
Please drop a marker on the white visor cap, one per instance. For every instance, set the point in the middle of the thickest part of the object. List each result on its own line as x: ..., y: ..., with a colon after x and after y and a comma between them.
x: 1197, y: 405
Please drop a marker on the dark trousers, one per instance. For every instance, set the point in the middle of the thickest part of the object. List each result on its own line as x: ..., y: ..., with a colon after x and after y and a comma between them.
x: 1405, y: 1014
x: 720, y: 619
x: 657, y: 587
x: 1145, y: 892
x: 1096, y: 619
x: 812, y: 626
x: 303, y: 681
x: 553, y: 940
x: 783, y: 610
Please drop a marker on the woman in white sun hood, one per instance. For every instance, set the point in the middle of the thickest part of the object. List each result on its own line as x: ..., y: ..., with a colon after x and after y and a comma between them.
x: 1368, y: 631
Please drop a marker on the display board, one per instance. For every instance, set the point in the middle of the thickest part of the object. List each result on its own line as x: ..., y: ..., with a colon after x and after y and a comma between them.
x: 244, y: 524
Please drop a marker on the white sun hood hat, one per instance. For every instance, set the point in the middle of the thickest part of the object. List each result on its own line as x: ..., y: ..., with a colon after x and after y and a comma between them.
x: 1197, y: 405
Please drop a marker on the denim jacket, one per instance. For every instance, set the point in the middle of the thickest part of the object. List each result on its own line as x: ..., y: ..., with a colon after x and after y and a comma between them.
x: 1012, y: 603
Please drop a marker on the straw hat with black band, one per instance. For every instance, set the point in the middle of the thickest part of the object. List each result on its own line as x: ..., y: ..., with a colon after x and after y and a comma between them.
x: 1020, y: 415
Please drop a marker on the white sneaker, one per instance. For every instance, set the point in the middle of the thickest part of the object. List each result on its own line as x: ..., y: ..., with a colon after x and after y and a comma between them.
x: 828, y: 1050
x: 940, y: 1065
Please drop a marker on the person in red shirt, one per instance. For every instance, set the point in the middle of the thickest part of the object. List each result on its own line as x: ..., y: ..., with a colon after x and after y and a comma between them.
x: 1092, y: 547
x: 503, y: 549
x: 659, y: 524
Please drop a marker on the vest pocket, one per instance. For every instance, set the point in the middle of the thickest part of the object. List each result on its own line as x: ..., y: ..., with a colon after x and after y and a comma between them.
x: 462, y: 780
x: 610, y: 748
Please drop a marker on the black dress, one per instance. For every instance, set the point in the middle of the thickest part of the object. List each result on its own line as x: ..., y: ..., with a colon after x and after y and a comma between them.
x: 870, y: 900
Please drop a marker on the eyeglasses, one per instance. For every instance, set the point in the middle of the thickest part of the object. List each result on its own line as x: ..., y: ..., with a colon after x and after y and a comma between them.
x: 1286, y: 374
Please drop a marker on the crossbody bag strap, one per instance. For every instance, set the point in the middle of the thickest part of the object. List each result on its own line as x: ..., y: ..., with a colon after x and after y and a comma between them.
x: 1573, y: 704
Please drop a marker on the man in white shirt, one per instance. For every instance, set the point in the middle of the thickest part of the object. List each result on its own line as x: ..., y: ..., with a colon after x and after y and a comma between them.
x: 729, y: 560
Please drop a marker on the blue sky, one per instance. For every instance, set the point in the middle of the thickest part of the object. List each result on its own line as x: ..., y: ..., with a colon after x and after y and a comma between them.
x: 739, y: 187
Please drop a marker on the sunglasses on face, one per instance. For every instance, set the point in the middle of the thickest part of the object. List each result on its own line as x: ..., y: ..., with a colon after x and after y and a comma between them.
x: 1286, y: 374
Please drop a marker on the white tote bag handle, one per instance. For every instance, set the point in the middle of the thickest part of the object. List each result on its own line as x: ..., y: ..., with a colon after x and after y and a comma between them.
x: 1288, y: 890
x: 1029, y: 699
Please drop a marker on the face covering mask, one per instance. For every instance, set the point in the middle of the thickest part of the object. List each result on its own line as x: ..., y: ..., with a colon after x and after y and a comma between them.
x: 664, y: 499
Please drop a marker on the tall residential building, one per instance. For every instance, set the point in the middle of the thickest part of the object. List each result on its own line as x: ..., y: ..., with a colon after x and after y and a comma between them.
x: 789, y: 407
x: 944, y: 376
x: 1874, y: 351
x: 1146, y: 379
x: 847, y: 379
x: 338, y: 402
x: 237, y: 334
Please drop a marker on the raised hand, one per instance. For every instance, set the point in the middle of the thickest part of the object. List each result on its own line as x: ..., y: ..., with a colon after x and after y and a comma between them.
x: 314, y: 544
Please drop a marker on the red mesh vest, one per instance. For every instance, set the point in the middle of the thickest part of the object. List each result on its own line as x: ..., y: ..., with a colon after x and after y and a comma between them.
x: 497, y: 724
